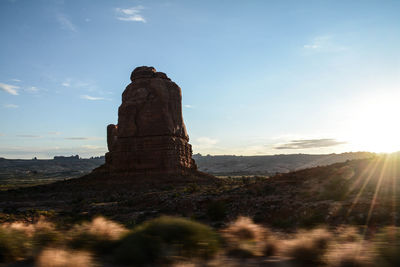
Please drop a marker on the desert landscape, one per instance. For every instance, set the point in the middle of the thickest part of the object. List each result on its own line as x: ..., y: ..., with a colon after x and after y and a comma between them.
x: 285, y: 162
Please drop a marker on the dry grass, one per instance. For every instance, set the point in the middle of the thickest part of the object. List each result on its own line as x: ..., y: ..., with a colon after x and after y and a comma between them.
x: 347, y: 234
x: 351, y: 255
x: 245, y: 239
x: 308, y: 247
x: 244, y: 229
x: 64, y: 258
x: 29, y: 229
x: 101, y: 227
x: 188, y: 243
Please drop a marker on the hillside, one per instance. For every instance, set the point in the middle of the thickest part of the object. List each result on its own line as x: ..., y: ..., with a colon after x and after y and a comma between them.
x: 269, y: 165
x: 19, y: 172
x: 16, y: 172
x: 355, y: 192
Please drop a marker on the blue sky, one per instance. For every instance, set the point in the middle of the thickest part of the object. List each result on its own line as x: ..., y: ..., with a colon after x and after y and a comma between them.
x: 258, y: 77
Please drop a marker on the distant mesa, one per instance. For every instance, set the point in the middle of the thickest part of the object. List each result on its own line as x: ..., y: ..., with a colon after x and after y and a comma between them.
x: 150, y: 137
x: 76, y: 157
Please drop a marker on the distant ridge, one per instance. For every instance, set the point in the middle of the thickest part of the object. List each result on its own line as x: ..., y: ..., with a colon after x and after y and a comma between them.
x: 271, y: 164
x: 34, y: 170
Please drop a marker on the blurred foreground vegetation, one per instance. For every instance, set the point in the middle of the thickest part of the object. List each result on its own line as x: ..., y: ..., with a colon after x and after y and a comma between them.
x: 180, y: 242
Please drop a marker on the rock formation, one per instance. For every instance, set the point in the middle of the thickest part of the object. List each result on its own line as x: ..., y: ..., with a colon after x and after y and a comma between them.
x: 150, y: 137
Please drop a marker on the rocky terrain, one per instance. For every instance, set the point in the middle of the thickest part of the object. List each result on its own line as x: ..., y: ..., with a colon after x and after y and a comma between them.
x: 354, y: 192
x: 19, y: 172
x: 14, y: 173
x: 270, y: 165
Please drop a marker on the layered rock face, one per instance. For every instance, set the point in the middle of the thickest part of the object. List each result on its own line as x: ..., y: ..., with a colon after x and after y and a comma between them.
x: 150, y: 137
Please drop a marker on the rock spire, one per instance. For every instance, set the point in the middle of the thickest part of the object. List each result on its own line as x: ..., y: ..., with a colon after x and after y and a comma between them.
x: 150, y: 137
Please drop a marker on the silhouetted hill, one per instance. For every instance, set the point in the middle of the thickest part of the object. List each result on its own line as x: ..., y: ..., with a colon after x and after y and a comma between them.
x: 357, y: 192
x: 269, y: 165
x: 26, y: 172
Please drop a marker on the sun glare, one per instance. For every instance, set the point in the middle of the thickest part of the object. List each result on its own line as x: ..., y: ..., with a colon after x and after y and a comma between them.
x: 373, y: 125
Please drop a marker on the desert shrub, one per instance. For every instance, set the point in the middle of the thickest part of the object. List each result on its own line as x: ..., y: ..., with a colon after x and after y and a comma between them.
x: 166, y: 237
x: 313, y: 218
x: 335, y: 189
x: 347, y: 234
x: 217, y: 210
x: 192, y: 188
x: 98, y: 235
x: 244, y: 238
x: 243, y: 229
x: 64, y: 258
x: 271, y: 247
x: 309, y: 247
x: 387, y: 244
x: 14, y: 244
x: 44, y: 235
x: 350, y: 255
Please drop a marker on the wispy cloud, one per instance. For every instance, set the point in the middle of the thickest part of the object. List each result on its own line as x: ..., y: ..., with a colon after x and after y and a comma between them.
x: 188, y: 106
x: 92, y: 147
x: 78, y: 138
x: 28, y: 136
x: 66, y: 23
x: 324, y: 43
x: 66, y: 84
x: 130, y: 14
x: 310, y: 143
x: 92, y: 98
x: 32, y: 89
x: 16, y: 80
x: 10, y: 106
x: 54, y: 133
x: 8, y: 88
x: 204, y: 142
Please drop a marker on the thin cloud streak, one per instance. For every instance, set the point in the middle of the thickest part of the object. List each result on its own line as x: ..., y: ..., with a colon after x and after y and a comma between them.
x: 310, y: 143
x: 204, y: 143
x: 33, y: 89
x: 8, y: 88
x: 54, y: 133
x: 130, y: 14
x: 66, y: 23
x: 10, y: 106
x: 78, y: 138
x: 92, y: 98
x: 28, y: 135
x: 324, y: 43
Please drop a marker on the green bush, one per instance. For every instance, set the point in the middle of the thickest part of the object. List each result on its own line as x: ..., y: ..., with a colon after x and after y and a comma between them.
x: 166, y: 237
x: 388, y: 246
x: 14, y: 245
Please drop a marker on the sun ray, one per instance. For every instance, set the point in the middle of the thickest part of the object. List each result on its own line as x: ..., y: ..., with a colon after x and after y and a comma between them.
x: 373, y: 201
x: 369, y: 172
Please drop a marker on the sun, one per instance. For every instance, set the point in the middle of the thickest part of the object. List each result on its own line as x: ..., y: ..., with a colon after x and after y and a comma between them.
x: 374, y: 125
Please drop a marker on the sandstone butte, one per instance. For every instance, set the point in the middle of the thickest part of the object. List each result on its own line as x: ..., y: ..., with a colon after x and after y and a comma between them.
x: 150, y: 137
